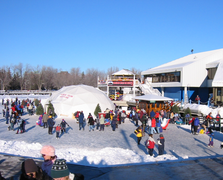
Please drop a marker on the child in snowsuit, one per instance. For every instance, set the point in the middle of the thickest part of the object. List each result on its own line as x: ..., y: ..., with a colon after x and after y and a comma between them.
x: 161, y: 141
x: 7, y: 116
x: 19, y: 125
x: 58, y: 128
x: 138, y: 133
x: 150, y: 144
x: 211, y: 137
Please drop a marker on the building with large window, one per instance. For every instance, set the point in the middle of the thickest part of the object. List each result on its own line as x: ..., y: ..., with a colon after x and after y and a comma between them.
x: 185, y: 78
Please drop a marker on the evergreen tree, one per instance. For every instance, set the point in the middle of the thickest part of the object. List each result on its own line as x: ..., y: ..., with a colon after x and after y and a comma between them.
x: 52, y: 108
x: 97, y: 110
x: 39, y: 109
x: 175, y: 109
x: 37, y: 102
x: 187, y: 111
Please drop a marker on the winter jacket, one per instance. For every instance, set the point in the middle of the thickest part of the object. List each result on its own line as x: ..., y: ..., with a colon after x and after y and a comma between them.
x: 81, y: 117
x: 63, y: 124
x: 90, y: 120
x: 102, y: 120
x: 138, y: 132
x: 196, y: 122
x: 58, y: 128
x: 50, y: 122
x: 40, y: 175
x: 45, y: 118
x: 152, y: 114
x: 144, y: 119
x: 153, y: 123
x: 114, y: 121
x: 150, y: 143
x: 157, y: 115
x: 161, y: 141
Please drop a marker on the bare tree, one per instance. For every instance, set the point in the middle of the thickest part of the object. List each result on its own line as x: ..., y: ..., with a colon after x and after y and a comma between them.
x: 75, y: 76
x: 112, y: 70
x: 49, y: 77
x: 91, y: 77
x: 137, y: 72
x: 5, y: 77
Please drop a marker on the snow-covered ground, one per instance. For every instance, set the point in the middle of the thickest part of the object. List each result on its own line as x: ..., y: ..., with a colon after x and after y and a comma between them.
x: 104, y: 148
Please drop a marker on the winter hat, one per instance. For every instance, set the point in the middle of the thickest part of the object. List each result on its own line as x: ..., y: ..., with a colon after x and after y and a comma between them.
x: 30, y: 166
x: 59, y: 169
x: 48, y: 150
x: 161, y: 135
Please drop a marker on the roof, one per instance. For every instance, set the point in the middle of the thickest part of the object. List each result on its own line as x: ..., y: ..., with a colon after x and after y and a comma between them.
x: 218, y: 78
x: 152, y: 97
x: 123, y: 72
x: 178, y: 64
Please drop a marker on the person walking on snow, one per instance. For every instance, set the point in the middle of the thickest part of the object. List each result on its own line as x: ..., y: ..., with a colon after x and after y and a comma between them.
x: 63, y: 126
x: 81, y: 120
x: 45, y: 118
x: 138, y: 133
x: 211, y: 138
x: 160, y: 143
x: 90, y: 122
x: 102, y: 123
x: 150, y: 144
x: 58, y: 128
x: 50, y: 123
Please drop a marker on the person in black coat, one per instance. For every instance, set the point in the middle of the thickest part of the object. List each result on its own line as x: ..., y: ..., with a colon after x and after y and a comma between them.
x: 63, y: 126
x: 31, y: 171
x: 161, y: 141
x: 50, y: 123
x: 114, y: 122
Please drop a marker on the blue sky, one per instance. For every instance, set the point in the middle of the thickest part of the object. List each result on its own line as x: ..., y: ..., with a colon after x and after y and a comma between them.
x: 106, y: 33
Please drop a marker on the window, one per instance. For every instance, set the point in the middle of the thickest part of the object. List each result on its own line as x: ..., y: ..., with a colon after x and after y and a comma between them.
x: 211, y: 73
x: 165, y: 77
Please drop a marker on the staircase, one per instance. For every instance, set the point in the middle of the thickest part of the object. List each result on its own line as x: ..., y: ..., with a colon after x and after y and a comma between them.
x: 148, y: 89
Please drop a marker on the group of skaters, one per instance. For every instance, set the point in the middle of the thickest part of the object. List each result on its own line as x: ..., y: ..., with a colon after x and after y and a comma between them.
x: 152, y: 123
x: 109, y: 117
x: 206, y: 127
x: 47, y: 121
x: 14, y: 113
x: 51, y: 168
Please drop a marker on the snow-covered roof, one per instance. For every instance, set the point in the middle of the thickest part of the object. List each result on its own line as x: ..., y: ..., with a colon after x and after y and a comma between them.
x: 178, y: 64
x: 218, y: 78
x: 123, y: 72
x: 189, y: 67
x: 152, y: 97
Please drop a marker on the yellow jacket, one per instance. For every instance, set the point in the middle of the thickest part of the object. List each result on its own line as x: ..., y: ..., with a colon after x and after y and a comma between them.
x: 138, y: 132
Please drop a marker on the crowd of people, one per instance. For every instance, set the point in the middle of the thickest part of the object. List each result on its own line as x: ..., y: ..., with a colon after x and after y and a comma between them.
x: 205, y: 127
x: 14, y: 110
x: 150, y: 124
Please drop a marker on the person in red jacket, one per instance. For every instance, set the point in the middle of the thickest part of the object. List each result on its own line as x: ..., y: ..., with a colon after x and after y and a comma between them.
x: 153, y: 126
x: 58, y: 128
x: 150, y: 144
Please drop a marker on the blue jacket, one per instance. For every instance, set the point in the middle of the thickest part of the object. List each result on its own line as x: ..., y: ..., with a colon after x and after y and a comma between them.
x: 81, y: 118
x: 50, y: 122
x: 196, y: 122
x: 152, y: 114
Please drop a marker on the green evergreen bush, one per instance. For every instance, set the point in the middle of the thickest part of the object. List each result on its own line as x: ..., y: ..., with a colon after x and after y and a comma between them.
x: 39, y: 109
x: 175, y: 109
x: 187, y: 111
x: 97, y: 110
x: 37, y: 102
x: 50, y: 106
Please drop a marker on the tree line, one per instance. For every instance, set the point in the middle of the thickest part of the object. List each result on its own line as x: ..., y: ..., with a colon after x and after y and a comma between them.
x: 20, y: 77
